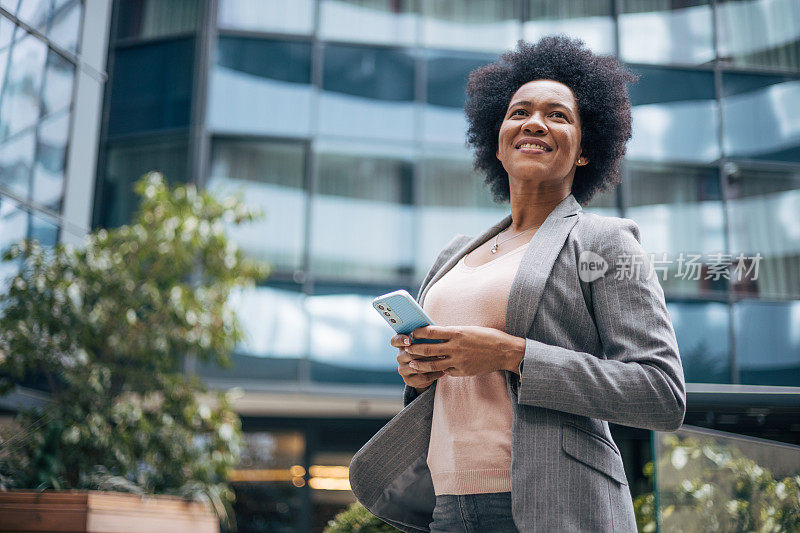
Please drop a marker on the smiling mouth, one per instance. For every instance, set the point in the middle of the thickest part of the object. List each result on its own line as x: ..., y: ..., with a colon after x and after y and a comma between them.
x: 532, y: 147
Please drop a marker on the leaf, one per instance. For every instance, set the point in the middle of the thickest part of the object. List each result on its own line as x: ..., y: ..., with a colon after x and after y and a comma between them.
x: 107, y: 327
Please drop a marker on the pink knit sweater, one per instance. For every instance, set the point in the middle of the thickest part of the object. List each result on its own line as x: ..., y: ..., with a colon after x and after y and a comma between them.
x: 470, y: 446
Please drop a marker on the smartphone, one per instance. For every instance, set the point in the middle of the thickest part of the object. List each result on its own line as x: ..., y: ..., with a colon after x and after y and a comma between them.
x: 402, y: 312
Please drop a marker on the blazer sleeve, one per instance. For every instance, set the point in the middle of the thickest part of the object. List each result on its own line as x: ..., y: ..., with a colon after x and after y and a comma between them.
x: 640, y: 381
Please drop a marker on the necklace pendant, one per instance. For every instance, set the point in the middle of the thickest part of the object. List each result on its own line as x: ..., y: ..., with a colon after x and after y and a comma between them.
x: 494, y: 249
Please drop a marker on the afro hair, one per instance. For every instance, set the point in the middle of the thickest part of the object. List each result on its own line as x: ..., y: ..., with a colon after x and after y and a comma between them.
x: 599, y: 85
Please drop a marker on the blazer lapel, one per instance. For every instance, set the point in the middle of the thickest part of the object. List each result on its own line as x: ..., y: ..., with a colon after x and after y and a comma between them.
x: 467, y: 248
x: 536, y: 264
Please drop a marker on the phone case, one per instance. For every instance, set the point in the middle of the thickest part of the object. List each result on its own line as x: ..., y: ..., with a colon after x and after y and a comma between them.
x: 402, y: 313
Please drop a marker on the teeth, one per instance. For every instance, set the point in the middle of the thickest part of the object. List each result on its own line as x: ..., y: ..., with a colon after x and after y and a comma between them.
x: 535, y: 146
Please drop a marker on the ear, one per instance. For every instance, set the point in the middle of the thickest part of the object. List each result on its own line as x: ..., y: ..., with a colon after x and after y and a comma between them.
x: 582, y: 161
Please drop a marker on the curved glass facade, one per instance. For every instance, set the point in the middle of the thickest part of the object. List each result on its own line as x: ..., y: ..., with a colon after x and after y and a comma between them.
x: 343, y: 120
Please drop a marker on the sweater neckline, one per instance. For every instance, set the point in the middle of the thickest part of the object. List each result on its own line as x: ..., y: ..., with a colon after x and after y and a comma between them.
x: 463, y: 260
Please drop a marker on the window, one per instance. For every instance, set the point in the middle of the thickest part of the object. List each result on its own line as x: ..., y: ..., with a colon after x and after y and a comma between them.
x: 65, y: 24
x: 269, y: 176
x: 349, y: 341
x: 16, y: 224
x: 605, y: 203
x: 762, y: 215
x: 372, y: 73
x: 10, y: 5
x: 58, y: 78
x: 362, y: 218
x: 377, y: 21
x: 59, y: 20
x: 275, y: 325
x: 35, y: 12
x: 126, y: 162
x: 43, y: 229
x: 666, y: 32
x: 703, y: 340
x: 591, y: 21
x: 274, y: 16
x: 453, y: 199
x: 679, y: 211
x: 147, y: 19
x: 21, y: 89
x: 675, y: 116
x: 759, y: 33
x: 767, y: 342
x: 34, y: 119
x: 367, y: 92
x: 446, y: 76
x: 51, y: 155
x: 759, y: 116
x: 13, y: 229
x: 485, y: 25
x: 7, y: 30
x: 151, y: 87
x: 16, y: 162
x: 261, y: 86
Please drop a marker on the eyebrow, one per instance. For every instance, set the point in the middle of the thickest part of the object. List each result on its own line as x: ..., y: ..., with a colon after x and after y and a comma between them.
x: 548, y: 104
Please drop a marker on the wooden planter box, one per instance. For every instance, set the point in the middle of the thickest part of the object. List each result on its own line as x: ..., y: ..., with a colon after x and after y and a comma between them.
x: 102, y: 512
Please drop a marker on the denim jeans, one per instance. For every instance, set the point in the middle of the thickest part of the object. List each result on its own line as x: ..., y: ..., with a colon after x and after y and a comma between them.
x: 473, y: 513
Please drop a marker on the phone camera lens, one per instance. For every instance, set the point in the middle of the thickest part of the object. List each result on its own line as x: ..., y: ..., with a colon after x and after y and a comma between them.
x: 380, y: 307
x: 386, y: 313
x: 393, y: 321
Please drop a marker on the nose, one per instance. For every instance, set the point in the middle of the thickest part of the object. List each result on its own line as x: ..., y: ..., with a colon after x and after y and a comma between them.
x: 534, y: 124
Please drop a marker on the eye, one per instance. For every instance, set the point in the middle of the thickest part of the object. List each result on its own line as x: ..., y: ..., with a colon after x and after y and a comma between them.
x: 517, y: 111
x: 559, y: 113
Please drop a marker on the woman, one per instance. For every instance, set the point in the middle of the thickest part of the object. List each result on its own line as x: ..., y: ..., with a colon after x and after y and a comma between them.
x: 551, y: 322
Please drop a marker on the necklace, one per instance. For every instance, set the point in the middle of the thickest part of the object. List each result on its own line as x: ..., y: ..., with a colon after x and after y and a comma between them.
x: 498, y: 243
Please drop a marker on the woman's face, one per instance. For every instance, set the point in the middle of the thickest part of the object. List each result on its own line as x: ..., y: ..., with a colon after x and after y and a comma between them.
x: 540, y: 137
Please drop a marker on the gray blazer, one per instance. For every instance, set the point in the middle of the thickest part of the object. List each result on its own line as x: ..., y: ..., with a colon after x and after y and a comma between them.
x: 596, y: 352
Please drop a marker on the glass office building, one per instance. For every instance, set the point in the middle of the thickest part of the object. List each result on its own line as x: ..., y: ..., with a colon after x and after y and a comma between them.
x: 343, y: 120
x: 52, y: 73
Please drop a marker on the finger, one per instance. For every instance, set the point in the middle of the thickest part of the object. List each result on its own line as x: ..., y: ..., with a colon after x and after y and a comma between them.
x: 409, y: 373
x: 403, y: 357
x: 416, y: 378
x: 406, y: 372
x: 400, y: 341
x: 432, y: 332
x: 427, y: 350
x: 430, y: 366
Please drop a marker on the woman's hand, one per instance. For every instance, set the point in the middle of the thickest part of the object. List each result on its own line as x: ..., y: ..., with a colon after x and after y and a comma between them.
x: 413, y: 378
x: 467, y: 350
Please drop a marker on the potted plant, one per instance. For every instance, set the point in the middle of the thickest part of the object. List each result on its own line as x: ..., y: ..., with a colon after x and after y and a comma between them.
x: 105, y: 330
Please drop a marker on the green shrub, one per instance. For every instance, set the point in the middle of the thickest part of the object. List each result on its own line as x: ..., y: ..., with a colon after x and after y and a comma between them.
x: 106, y: 329
x: 710, y: 486
x: 356, y: 519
